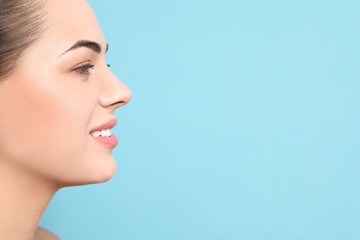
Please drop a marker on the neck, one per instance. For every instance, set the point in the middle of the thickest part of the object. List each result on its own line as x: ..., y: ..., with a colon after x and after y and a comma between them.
x: 24, y: 197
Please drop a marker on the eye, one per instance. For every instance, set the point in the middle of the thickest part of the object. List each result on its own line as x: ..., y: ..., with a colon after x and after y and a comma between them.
x: 84, y: 69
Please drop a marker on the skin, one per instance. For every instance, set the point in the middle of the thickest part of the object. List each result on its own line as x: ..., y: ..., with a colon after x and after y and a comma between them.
x: 44, y: 234
x: 48, y: 106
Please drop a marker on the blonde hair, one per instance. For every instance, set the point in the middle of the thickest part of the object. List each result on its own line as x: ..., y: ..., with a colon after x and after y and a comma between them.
x: 22, y: 23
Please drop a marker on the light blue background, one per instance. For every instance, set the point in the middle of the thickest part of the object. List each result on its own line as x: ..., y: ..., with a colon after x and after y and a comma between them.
x: 244, y: 123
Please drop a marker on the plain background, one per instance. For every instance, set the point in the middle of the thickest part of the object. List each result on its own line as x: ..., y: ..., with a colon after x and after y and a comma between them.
x: 244, y: 124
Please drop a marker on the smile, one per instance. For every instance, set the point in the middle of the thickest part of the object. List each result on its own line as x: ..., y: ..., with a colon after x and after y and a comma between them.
x: 102, y: 133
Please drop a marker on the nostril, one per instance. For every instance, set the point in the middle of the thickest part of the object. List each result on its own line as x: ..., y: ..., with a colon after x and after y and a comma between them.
x: 118, y: 104
x: 115, y: 94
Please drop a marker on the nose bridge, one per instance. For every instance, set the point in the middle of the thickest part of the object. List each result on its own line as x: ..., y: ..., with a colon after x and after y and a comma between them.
x: 114, y: 93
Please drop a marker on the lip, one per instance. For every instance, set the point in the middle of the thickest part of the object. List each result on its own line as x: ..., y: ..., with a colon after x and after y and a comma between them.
x: 111, y: 141
x: 109, y: 124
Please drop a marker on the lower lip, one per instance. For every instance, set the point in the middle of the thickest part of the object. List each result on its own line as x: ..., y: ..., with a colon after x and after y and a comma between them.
x: 111, y: 141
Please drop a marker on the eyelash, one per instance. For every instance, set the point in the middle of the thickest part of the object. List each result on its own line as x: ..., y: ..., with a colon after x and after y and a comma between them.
x: 85, y: 69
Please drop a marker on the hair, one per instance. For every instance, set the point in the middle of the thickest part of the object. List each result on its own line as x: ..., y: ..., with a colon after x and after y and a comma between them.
x: 22, y: 23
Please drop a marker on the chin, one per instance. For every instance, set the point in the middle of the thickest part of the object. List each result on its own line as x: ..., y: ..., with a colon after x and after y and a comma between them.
x: 103, y: 174
x: 98, y: 174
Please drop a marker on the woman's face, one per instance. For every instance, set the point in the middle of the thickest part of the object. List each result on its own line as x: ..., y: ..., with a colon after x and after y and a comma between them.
x: 60, y: 93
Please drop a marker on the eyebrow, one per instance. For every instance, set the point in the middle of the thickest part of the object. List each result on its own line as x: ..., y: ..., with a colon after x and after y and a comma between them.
x: 96, y: 47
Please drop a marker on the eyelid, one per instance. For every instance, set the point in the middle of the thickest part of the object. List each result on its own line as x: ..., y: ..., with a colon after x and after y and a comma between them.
x: 81, y: 64
x: 84, y: 66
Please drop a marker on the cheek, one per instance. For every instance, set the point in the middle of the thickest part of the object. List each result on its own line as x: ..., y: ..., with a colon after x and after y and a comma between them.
x: 45, y: 123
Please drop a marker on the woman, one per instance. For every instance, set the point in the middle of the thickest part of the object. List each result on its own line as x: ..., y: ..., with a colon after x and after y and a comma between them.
x: 57, y: 99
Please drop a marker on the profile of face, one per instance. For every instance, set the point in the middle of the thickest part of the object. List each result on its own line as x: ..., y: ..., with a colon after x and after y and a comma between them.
x: 61, y: 92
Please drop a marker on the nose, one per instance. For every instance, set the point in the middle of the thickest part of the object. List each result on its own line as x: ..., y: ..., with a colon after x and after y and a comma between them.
x: 114, y: 93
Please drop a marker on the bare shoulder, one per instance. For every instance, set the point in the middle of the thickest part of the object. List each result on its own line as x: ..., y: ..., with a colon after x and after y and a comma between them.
x: 44, y: 234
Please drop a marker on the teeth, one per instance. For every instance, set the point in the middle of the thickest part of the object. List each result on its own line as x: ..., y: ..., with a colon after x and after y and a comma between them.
x: 102, y: 133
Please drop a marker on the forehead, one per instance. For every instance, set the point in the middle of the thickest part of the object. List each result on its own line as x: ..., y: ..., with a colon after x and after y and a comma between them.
x: 71, y: 21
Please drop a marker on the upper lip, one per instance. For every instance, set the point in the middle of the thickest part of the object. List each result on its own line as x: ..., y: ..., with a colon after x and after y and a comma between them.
x: 109, y: 124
